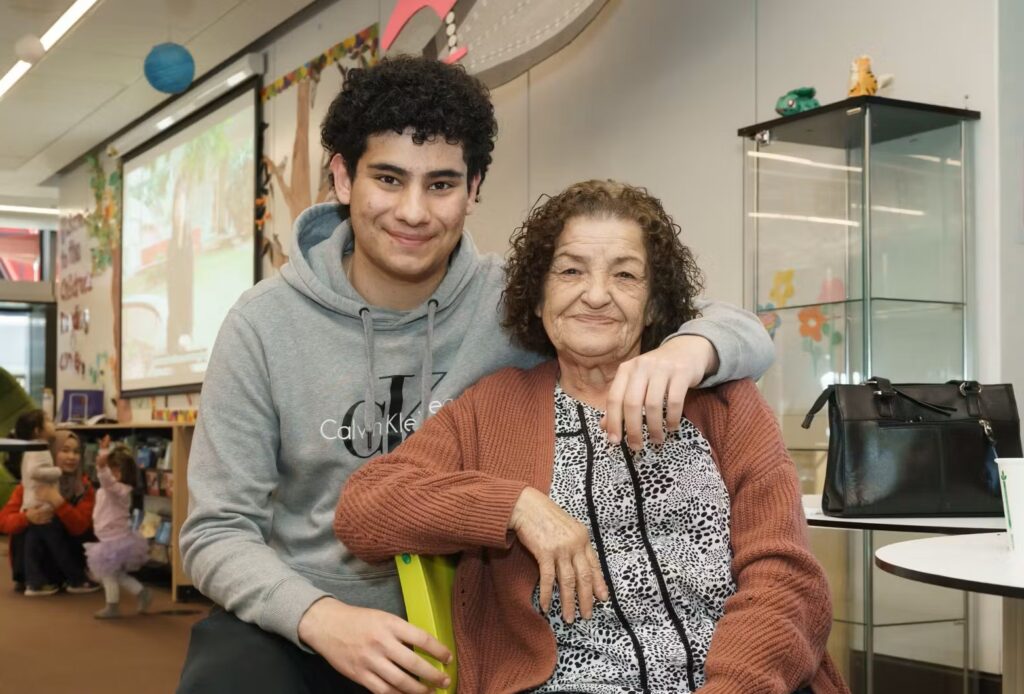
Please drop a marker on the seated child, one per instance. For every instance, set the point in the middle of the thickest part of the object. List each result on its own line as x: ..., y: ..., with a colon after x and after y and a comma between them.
x: 38, y: 470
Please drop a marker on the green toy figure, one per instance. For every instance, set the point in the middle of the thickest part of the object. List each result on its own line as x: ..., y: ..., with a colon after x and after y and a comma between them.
x: 796, y: 100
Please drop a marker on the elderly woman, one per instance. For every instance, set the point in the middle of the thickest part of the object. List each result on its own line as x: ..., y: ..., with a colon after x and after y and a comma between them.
x: 695, y: 549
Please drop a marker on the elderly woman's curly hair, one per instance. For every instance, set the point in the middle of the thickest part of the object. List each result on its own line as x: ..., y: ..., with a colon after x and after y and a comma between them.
x: 673, y: 276
x: 428, y: 96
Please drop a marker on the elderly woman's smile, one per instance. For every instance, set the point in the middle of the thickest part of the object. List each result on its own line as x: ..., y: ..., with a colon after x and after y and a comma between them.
x: 595, y: 294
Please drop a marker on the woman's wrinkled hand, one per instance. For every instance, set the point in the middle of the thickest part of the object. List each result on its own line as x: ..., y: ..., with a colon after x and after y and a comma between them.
x: 561, y: 546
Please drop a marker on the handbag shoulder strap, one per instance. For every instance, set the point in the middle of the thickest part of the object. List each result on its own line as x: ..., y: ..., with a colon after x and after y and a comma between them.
x: 816, y: 407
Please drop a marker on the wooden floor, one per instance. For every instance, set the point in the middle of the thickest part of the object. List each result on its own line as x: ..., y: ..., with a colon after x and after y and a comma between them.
x: 54, y: 644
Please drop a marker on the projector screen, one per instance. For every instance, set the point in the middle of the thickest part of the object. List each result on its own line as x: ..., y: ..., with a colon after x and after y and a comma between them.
x: 187, y: 245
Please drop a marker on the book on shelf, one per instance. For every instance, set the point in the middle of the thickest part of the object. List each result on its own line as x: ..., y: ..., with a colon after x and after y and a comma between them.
x: 167, y: 483
x: 153, y: 482
x: 163, y: 533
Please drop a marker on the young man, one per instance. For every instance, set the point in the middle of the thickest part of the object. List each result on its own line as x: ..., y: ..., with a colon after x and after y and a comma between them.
x: 375, y: 323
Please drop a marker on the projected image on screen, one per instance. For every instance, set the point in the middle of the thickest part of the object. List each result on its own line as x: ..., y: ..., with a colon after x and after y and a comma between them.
x: 187, y: 245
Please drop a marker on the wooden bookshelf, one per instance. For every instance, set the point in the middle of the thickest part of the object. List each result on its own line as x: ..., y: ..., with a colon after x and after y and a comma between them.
x: 181, y: 443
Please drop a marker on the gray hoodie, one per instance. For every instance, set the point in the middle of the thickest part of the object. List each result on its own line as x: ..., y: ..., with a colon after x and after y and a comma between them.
x: 283, y: 418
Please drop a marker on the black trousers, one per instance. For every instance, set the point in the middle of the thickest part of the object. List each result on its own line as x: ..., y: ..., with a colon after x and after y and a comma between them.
x: 229, y: 656
x: 50, y: 555
x: 226, y: 655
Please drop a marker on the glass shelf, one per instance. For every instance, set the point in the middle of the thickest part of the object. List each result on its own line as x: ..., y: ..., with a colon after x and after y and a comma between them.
x: 855, y: 240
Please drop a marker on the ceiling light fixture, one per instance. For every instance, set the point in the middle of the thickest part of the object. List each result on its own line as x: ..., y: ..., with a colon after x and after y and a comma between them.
x: 12, y: 76
x: 66, y: 21
x: 52, y: 36
x: 22, y: 209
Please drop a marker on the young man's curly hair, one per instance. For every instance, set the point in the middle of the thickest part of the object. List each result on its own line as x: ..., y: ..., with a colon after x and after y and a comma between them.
x: 672, y: 273
x: 432, y: 98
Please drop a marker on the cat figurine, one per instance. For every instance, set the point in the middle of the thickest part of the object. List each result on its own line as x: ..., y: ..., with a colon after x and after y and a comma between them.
x: 863, y: 81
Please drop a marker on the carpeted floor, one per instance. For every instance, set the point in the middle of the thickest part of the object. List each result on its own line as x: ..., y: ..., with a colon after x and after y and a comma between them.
x: 53, y: 645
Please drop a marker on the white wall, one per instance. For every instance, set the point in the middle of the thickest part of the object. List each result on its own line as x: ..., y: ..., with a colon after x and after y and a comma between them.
x: 650, y: 93
x: 1003, y: 324
x: 1010, y: 153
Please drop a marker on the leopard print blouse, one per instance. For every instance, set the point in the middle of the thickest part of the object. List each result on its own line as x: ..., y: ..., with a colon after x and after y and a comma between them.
x: 659, y: 521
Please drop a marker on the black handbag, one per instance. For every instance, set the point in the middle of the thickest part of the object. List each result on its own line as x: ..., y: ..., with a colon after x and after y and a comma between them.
x: 916, y: 449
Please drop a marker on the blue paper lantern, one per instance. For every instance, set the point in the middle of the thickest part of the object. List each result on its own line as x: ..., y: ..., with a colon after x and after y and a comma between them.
x: 169, y: 68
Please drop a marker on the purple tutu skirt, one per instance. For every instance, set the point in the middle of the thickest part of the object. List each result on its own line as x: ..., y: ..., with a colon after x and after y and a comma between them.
x: 110, y: 557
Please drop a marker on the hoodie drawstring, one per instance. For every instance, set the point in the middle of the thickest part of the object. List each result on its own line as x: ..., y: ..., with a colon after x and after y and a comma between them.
x: 369, y: 404
x: 426, y: 376
x: 427, y: 372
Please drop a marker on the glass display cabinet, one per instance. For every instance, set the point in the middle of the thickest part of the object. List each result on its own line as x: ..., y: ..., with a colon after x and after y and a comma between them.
x: 857, y: 255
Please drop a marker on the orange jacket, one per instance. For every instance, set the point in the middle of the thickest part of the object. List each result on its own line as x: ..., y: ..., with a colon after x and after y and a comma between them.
x: 452, y: 487
x: 76, y: 518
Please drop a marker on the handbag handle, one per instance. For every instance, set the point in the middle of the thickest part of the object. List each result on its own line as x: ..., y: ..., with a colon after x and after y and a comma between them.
x: 885, y: 394
x: 885, y: 390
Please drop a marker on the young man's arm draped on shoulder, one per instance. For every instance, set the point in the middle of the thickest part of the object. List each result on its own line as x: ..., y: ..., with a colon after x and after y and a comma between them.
x: 726, y: 343
x: 742, y: 345
x: 232, y: 473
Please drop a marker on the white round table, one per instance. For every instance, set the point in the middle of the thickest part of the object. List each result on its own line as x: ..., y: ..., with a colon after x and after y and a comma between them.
x: 980, y: 563
x: 944, y: 525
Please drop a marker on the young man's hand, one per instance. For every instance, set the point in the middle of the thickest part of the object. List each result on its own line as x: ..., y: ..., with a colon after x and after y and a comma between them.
x: 372, y: 647
x: 655, y: 383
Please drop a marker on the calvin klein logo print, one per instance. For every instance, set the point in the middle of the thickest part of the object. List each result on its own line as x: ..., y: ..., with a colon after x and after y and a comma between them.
x: 389, y: 418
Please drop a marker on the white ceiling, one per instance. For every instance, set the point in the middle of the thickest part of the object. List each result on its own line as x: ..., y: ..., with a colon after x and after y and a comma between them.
x: 90, y: 84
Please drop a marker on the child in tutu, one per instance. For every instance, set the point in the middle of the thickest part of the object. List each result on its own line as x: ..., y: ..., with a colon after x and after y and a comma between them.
x: 120, y: 549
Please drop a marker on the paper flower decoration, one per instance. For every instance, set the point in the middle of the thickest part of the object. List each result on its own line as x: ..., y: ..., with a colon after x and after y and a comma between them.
x: 782, y: 288
x: 811, y: 322
x: 832, y: 290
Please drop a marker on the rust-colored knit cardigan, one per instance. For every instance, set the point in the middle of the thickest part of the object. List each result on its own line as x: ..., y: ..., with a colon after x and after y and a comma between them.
x: 452, y: 486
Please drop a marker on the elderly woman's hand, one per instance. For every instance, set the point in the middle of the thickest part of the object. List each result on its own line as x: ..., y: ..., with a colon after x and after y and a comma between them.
x: 561, y: 546
x: 657, y: 382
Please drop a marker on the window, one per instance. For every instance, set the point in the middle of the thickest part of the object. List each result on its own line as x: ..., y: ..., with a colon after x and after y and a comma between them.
x: 20, y: 255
